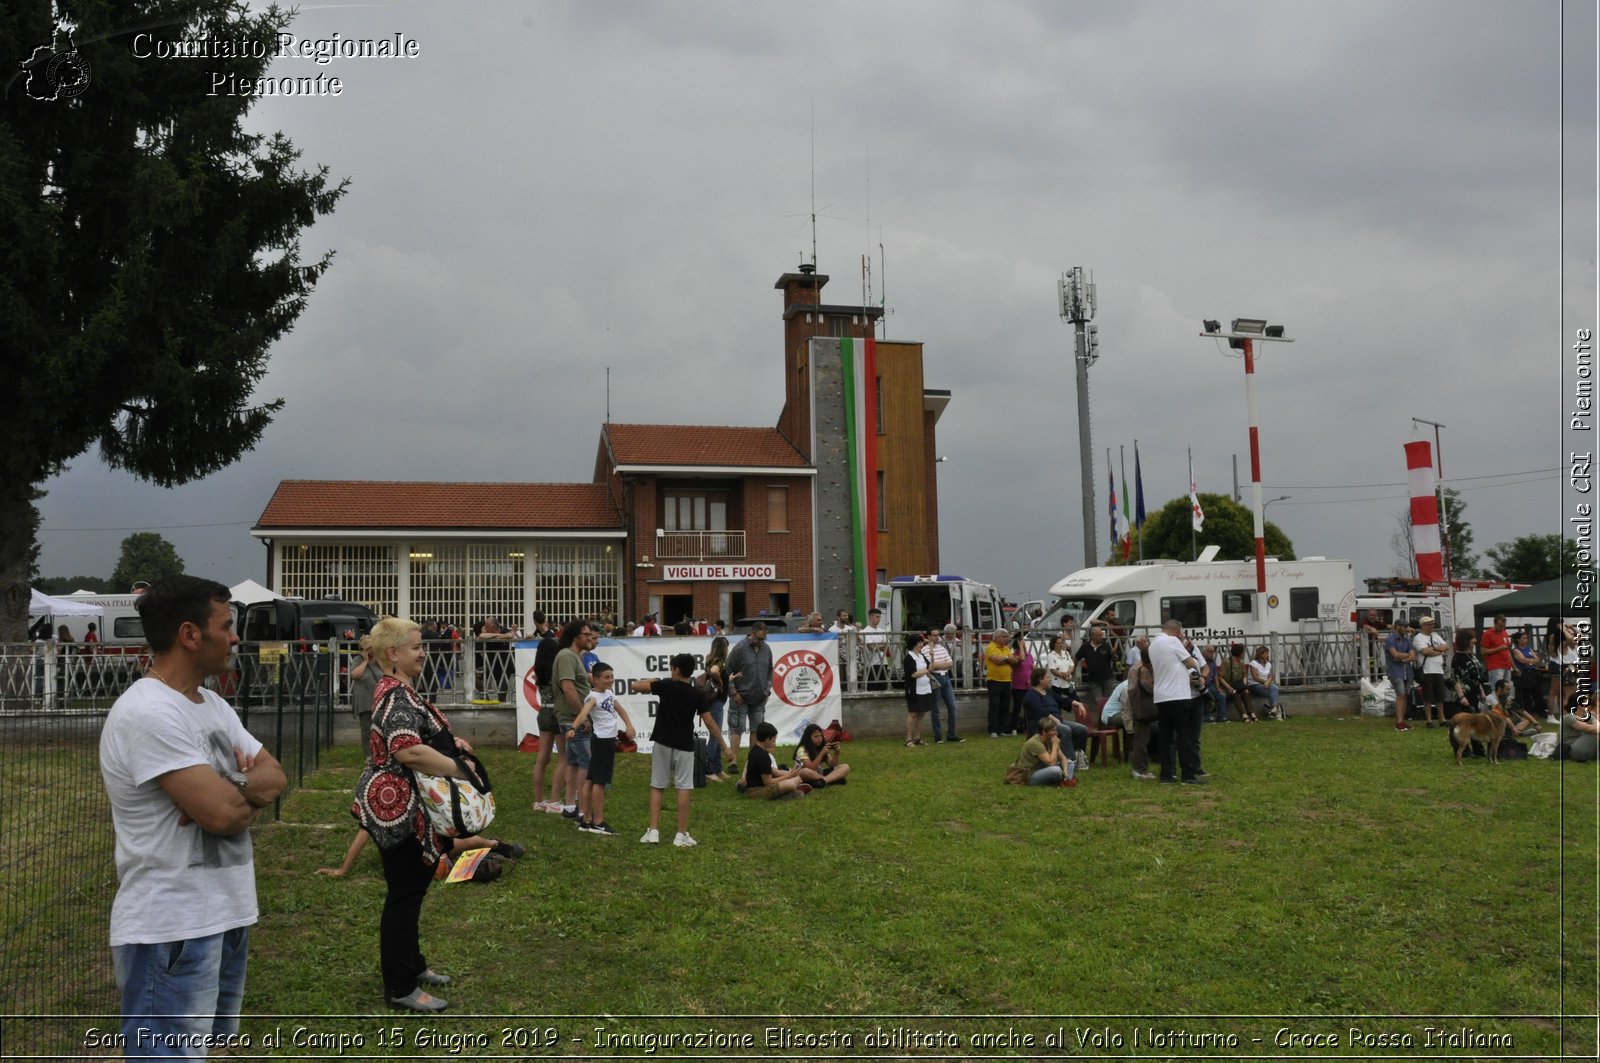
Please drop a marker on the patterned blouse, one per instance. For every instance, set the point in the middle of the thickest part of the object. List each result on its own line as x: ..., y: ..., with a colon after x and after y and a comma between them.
x: 386, y: 803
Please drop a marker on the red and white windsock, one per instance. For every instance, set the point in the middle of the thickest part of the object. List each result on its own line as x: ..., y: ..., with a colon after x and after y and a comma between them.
x: 1425, y: 541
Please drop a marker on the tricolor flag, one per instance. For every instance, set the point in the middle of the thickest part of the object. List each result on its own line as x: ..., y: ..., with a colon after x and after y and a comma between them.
x: 859, y: 359
x: 1197, y: 515
x: 1112, y: 524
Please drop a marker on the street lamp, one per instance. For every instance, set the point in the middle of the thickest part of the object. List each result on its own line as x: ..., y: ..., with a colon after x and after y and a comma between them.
x: 1268, y: 502
x: 1243, y: 335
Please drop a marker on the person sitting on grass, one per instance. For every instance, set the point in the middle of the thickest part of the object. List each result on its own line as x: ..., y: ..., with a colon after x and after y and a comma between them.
x: 1042, y: 761
x: 1040, y: 702
x: 818, y: 759
x: 1518, y: 720
x: 762, y: 778
x: 486, y: 871
x: 601, y: 711
x: 1580, y: 732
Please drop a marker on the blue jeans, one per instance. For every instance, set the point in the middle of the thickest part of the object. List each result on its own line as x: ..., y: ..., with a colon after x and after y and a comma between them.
x: 1049, y: 775
x: 710, y: 752
x: 178, y: 994
x: 944, y: 691
x: 1270, y: 691
x: 1220, y: 701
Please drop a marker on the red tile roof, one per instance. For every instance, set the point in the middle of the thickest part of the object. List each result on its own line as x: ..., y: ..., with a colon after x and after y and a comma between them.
x: 695, y: 444
x: 391, y: 504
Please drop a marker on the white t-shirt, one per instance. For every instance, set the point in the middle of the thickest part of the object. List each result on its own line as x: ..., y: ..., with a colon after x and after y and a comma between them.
x: 1167, y: 662
x: 176, y: 882
x: 1430, y: 665
x: 1051, y: 661
x: 607, y: 724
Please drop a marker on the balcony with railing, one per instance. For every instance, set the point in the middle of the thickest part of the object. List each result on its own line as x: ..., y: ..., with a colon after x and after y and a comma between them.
x: 700, y: 545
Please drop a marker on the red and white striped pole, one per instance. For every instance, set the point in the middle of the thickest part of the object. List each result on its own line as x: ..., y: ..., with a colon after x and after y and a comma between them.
x: 1255, y: 468
x: 1425, y: 540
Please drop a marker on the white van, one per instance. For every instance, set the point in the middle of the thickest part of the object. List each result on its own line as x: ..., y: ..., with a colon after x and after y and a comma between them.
x: 1216, y: 601
x: 118, y: 623
x: 917, y: 603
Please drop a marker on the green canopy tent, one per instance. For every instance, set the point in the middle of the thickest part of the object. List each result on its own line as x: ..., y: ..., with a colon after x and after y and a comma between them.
x: 1560, y: 597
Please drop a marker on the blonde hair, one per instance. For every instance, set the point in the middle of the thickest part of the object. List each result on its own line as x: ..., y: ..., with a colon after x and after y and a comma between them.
x: 390, y: 634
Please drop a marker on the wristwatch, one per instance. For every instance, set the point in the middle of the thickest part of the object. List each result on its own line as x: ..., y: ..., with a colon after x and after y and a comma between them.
x: 239, y: 779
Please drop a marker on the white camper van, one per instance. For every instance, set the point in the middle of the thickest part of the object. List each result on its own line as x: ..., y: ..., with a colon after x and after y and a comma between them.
x: 912, y: 603
x: 1216, y: 601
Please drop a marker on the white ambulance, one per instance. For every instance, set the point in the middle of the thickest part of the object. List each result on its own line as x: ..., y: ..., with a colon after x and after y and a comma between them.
x: 917, y: 603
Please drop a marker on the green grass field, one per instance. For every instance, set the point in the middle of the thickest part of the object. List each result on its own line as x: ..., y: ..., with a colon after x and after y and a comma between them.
x: 1333, y: 870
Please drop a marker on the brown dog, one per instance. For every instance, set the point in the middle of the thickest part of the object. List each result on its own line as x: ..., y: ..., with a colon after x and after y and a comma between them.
x: 1486, y: 727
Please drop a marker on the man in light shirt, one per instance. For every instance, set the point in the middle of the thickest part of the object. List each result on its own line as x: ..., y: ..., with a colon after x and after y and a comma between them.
x: 1177, y: 711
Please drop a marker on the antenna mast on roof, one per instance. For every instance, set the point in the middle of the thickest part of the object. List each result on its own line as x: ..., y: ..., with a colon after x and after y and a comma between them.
x: 608, y: 394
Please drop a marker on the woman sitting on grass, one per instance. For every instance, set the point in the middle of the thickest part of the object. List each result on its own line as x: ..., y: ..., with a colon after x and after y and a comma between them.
x: 1042, y: 761
x: 818, y: 759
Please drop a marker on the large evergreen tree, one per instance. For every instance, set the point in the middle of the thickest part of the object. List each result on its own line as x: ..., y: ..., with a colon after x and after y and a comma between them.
x: 1228, y: 525
x: 1526, y: 559
x: 149, y: 251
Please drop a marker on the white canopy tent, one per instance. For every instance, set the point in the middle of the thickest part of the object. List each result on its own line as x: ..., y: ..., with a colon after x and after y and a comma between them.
x: 250, y: 592
x: 41, y: 605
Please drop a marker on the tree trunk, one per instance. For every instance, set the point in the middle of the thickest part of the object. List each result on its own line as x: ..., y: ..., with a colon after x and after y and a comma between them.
x: 19, y: 549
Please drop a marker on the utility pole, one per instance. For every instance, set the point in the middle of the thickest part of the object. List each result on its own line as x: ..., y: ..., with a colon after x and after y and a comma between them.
x: 1077, y: 298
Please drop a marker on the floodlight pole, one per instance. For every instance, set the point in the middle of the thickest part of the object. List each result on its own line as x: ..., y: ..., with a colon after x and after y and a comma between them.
x: 1246, y: 341
x: 1077, y: 301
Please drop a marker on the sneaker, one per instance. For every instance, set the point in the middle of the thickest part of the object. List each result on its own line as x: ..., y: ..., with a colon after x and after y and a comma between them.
x: 1082, y: 760
x: 603, y: 828
x: 994, y: 734
x: 569, y: 812
x: 1202, y: 775
x: 418, y: 1000
x: 588, y: 828
x: 651, y: 837
x: 1402, y: 727
x: 1196, y: 781
x: 955, y: 740
x: 1137, y: 774
x: 1069, y: 783
x: 549, y: 806
x: 509, y: 849
x: 1548, y: 719
x: 683, y: 841
x: 432, y: 977
x: 938, y: 741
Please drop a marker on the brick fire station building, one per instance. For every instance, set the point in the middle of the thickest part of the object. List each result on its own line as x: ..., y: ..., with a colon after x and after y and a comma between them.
x: 679, y: 520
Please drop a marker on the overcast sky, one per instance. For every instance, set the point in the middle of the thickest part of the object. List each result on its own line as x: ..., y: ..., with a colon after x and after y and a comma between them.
x: 551, y: 189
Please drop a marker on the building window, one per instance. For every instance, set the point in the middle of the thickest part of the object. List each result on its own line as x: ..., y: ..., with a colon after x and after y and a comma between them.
x: 368, y: 574
x: 777, y: 509
x: 877, y: 397
x: 883, y: 504
x: 697, y: 511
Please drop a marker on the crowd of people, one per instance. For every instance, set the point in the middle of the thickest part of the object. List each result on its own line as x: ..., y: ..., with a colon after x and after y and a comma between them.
x: 1530, y: 683
x: 186, y: 780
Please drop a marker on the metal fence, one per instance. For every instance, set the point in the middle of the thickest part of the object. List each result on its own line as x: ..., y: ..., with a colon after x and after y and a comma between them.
x: 57, y: 848
x: 1305, y: 658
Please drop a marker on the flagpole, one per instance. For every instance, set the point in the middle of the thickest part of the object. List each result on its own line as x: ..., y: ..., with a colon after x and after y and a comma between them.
x: 1111, y: 498
x: 1193, y: 550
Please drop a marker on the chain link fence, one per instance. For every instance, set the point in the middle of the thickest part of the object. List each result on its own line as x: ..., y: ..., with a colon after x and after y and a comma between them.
x: 57, y: 847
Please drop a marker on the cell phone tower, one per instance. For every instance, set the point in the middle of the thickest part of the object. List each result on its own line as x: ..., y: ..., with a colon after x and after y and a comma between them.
x: 1077, y: 297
